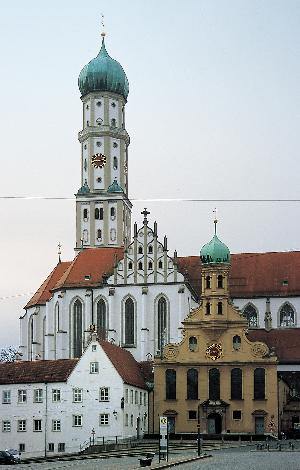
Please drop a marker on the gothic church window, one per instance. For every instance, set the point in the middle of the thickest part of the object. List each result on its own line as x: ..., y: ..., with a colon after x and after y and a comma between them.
x: 214, y: 384
x: 129, y: 323
x: 130, y: 265
x: 140, y: 250
x: 101, y: 319
x: 150, y: 249
x: 160, y: 265
x: 236, y: 384
x: 286, y: 315
x: 250, y: 313
x: 161, y: 323
x: 192, y: 384
x: 150, y: 266
x: 77, y: 328
x: 140, y: 266
x: 170, y: 384
x: 259, y: 383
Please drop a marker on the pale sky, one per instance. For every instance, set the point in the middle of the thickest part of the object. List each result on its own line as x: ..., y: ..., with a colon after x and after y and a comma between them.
x: 212, y: 112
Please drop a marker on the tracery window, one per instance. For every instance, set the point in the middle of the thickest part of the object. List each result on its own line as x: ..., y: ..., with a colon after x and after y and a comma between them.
x: 77, y: 328
x: 161, y: 323
x: 250, y: 313
x: 170, y: 384
x: 236, y: 384
x: 214, y: 384
x: 192, y: 384
x: 101, y: 319
x: 259, y: 383
x: 129, y: 323
x: 286, y: 315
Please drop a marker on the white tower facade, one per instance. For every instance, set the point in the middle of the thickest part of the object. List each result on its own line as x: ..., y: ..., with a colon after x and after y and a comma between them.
x: 103, y: 210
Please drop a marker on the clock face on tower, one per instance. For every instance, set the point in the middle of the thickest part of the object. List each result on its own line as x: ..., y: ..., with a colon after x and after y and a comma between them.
x: 98, y: 160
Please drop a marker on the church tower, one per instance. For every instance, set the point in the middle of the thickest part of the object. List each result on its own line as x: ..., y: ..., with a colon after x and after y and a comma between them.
x: 103, y: 210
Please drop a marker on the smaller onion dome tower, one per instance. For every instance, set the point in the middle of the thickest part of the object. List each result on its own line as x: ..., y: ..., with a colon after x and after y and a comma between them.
x: 103, y: 209
x: 215, y: 259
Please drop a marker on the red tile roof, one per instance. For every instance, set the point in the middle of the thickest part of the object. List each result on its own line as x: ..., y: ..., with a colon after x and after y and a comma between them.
x: 286, y: 343
x: 36, y: 371
x: 43, y: 293
x: 253, y: 274
x: 90, y: 267
x: 125, y: 364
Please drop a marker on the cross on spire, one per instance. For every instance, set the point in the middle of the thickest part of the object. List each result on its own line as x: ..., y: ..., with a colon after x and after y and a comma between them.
x: 145, y: 213
x: 215, y: 219
x: 102, y: 25
x: 59, y: 252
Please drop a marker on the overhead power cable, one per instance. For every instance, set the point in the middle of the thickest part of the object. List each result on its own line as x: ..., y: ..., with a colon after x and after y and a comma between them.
x: 57, y: 198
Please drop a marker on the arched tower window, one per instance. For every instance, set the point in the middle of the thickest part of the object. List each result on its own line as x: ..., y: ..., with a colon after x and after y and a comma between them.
x: 207, y: 308
x: 193, y: 343
x: 236, y: 384
x: 140, y: 250
x: 115, y: 163
x: 101, y: 213
x: 192, y: 384
x: 101, y: 319
x: 140, y: 266
x: 160, y: 265
x: 236, y: 342
x: 150, y: 249
x: 250, y: 313
x: 220, y: 281
x: 259, y: 383
x: 77, y: 328
x: 129, y: 323
x: 97, y: 213
x: 170, y: 384
x: 161, y: 323
x: 214, y: 384
x: 207, y: 282
x: 85, y: 214
x: 220, y: 308
x: 286, y: 315
x: 112, y: 213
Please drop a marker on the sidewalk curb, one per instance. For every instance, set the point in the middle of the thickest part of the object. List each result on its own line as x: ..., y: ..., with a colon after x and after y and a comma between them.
x: 178, y: 462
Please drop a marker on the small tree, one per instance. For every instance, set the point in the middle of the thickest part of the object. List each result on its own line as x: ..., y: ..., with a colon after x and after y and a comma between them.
x: 8, y: 354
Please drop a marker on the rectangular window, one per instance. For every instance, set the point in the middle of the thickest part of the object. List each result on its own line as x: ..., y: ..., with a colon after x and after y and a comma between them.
x: 192, y: 414
x: 38, y: 395
x: 136, y: 398
x: 6, y: 397
x: 126, y: 395
x: 126, y: 419
x: 141, y: 398
x: 55, y: 395
x: 131, y: 420
x: 236, y: 414
x: 22, y: 396
x: 77, y: 420
x: 131, y: 397
x: 21, y: 447
x: 50, y: 447
x: 145, y: 399
x: 37, y: 425
x: 61, y: 447
x: 56, y: 425
x: 6, y: 426
x: 21, y: 425
x: 94, y: 367
x: 94, y: 347
x: 104, y: 394
x: 77, y: 395
x: 104, y: 419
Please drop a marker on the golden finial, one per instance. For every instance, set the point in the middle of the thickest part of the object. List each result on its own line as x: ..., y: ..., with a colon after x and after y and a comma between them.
x: 215, y: 219
x: 102, y: 24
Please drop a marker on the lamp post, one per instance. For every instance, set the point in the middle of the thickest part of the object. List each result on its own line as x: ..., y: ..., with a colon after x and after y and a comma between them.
x: 198, y: 429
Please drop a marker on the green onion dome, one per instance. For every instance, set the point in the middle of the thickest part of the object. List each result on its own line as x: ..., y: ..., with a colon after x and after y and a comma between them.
x: 103, y: 74
x: 215, y: 252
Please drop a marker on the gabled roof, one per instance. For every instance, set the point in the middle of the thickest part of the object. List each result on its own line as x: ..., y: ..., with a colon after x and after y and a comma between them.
x: 44, y: 292
x: 285, y: 341
x: 125, y: 364
x: 90, y: 267
x: 36, y: 371
x: 252, y: 274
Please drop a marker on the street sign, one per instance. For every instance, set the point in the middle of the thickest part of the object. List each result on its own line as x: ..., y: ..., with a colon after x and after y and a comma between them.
x: 163, y: 438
